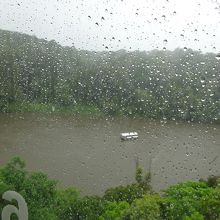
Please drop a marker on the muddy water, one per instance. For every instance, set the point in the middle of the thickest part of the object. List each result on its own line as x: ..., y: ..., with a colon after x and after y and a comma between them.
x: 87, y: 152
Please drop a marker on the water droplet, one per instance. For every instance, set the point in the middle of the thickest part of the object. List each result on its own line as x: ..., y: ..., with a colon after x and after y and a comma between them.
x: 217, y: 56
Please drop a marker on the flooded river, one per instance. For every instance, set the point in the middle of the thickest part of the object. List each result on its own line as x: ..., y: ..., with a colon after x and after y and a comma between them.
x: 87, y: 152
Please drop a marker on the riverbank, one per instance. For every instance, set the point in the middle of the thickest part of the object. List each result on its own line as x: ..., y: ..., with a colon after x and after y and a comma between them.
x: 26, y: 107
x: 87, y: 110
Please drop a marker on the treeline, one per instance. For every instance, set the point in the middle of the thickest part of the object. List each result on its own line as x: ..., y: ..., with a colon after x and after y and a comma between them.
x: 184, y: 201
x: 180, y: 84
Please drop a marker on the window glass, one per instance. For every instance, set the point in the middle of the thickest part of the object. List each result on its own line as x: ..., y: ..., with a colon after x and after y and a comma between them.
x: 110, y: 109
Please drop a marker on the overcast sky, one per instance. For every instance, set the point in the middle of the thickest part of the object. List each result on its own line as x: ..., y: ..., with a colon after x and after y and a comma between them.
x: 117, y: 24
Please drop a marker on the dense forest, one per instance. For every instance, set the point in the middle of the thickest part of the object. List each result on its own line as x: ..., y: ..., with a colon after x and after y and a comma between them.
x: 176, y: 85
x: 185, y: 201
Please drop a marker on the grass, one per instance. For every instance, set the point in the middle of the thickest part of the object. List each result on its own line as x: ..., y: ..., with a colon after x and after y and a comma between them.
x: 80, y: 109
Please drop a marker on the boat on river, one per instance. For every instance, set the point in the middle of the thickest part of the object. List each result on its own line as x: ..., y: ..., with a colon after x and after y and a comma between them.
x: 129, y: 136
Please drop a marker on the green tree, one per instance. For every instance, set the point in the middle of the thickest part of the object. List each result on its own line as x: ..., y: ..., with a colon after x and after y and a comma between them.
x: 143, y: 180
x: 115, y: 211
x: 65, y: 199
x: 85, y: 208
x: 146, y: 208
x: 13, y: 174
x: 124, y: 193
x: 185, y: 199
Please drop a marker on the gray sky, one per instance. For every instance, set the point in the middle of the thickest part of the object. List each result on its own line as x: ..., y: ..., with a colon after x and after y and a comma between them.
x: 117, y: 24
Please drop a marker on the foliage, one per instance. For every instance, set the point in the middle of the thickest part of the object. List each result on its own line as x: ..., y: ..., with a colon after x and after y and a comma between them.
x: 13, y: 174
x: 124, y: 193
x: 143, y: 180
x: 37, y: 213
x: 85, y: 208
x: 39, y: 190
x: 147, y: 208
x: 194, y: 216
x: 36, y: 188
x: 186, y: 201
x: 130, y: 192
x: 115, y: 211
x: 64, y: 200
x: 213, y: 181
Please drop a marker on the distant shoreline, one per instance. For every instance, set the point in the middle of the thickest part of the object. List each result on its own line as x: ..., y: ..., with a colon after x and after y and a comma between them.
x: 85, y: 110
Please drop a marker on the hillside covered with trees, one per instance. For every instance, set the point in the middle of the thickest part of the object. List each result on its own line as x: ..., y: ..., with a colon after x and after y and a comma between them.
x: 177, y: 85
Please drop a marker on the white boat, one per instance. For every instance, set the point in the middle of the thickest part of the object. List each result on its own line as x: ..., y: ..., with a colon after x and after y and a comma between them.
x: 129, y: 136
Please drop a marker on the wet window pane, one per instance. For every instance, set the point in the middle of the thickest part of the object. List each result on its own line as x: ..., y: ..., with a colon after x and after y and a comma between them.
x: 109, y: 109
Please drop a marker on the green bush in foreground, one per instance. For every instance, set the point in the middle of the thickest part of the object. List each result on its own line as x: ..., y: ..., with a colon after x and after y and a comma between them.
x: 115, y: 211
x: 184, y: 201
x: 147, y: 208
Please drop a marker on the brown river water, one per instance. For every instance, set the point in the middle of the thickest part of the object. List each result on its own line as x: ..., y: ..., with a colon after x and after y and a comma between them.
x: 87, y: 152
